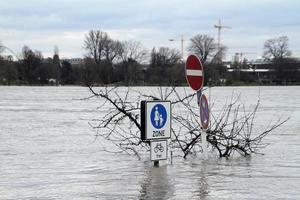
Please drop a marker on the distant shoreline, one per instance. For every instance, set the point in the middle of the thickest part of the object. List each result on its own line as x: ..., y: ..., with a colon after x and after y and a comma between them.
x: 151, y: 85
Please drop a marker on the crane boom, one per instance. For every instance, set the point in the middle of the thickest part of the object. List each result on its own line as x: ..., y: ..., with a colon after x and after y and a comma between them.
x: 219, y: 26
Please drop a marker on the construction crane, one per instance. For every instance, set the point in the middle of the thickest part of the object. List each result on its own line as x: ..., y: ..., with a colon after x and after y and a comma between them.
x: 182, y: 39
x: 219, y: 26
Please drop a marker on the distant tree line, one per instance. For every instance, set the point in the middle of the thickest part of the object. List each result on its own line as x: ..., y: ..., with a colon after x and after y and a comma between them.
x: 114, y: 62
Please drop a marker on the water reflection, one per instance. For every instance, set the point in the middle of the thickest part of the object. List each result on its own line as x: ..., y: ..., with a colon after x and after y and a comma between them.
x: 203, y: 191
x: 157, y: 184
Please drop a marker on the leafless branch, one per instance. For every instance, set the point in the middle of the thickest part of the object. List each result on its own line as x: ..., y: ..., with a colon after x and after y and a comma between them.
x: 231, y: 129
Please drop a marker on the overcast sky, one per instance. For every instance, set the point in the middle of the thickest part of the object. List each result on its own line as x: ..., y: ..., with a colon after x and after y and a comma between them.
x: 42, y: 24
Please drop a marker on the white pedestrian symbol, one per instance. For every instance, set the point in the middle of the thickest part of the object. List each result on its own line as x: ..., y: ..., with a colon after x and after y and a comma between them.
x: 157, y: 117
x: 161, y: 120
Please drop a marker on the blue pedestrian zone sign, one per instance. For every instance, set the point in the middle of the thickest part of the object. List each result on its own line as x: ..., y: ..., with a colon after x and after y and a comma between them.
x: 158, y: 116
x: 155, y: 120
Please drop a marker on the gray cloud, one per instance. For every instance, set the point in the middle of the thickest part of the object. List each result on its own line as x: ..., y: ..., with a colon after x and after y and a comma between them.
x: 43, y: 24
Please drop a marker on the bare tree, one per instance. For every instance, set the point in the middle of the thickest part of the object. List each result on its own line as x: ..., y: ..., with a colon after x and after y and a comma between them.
x: 101, y: 47
x: 161, y: 62
x: 219, y: 55
x: 95, y: 43
x: 120, y: 123
x: 105, y: 53
x: 133, y: 50
x: 164, y: 57
x: 132, y: 56
x: 277, y: 49
x: 56, y: 66
x: 231, y: 129
x: 113, y: 50
x: 204, y: 46
x: 31, y: 61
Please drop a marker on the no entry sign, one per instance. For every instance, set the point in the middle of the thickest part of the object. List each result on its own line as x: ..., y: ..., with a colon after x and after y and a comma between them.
x: 204, y: 112
x: 194, y: 72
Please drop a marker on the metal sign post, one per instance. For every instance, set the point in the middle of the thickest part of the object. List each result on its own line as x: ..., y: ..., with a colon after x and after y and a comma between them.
x: 204, y: 143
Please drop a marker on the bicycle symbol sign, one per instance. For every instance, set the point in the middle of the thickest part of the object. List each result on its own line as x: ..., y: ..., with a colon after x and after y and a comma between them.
x: 158, y: 147
x: 158, y: 116
x: 158, y: 150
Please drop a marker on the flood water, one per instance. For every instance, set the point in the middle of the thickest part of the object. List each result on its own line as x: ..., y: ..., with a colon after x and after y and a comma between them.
x: 48, y: 151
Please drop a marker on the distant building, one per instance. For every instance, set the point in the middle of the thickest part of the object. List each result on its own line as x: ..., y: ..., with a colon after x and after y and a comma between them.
x: 74, y: 61
x: 265, y: 71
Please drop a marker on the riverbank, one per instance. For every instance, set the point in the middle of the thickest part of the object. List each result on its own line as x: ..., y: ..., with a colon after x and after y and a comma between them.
x: 121, y: 84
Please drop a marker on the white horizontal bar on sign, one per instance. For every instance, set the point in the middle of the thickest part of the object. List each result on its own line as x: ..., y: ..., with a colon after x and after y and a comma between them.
x: 193, y: 72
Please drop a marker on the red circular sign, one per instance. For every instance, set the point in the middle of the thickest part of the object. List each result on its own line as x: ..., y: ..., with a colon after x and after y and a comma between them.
x: 204, y: 112
x: 194, y: 72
